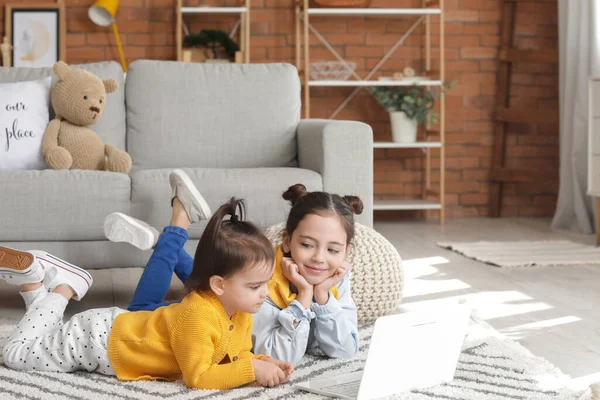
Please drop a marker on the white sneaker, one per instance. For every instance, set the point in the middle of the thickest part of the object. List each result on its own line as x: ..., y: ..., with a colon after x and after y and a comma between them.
x: 194, y: 204
x: 59, y: 272
x: 119, y: 227
x: 18, y: 267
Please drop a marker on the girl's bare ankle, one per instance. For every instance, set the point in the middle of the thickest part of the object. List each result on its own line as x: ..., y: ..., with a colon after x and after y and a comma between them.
x: 28, y: 287
x: 179, y: 216
x: 64, y: 290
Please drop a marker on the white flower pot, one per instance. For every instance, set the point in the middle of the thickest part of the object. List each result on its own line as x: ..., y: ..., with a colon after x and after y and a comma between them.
x: 404, y: 129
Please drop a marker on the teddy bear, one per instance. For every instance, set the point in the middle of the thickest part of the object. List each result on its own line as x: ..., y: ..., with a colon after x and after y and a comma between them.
x: 78, y: 99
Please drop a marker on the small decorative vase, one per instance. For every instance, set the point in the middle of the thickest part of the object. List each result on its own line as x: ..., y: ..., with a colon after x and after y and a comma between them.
x: 195, y: 54
x: 404, y: 129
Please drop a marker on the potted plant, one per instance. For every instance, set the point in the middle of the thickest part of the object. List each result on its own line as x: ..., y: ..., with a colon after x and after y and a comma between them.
x: 217, y: 42
x: 408, y: 106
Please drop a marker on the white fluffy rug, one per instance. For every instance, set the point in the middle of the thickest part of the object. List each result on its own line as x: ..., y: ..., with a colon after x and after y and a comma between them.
x: 489, y: 368
x: 539, y: 253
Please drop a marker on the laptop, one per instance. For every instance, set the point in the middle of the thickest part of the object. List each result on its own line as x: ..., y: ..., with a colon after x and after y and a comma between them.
x: 408, y: 351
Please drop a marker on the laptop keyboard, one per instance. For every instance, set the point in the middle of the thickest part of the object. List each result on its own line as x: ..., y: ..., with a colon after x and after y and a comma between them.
x: 349, y: 389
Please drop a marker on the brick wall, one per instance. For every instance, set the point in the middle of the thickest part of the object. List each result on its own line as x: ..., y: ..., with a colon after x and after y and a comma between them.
x: 472, y: 40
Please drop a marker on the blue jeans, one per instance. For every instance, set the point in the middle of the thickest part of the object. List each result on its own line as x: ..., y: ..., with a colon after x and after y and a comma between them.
x: 168, y: 257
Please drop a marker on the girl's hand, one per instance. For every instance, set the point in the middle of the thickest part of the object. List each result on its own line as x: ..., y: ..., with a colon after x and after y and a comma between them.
x: 290, y: 271
x: 321, y: 291
x: 268, y: 374
x: 285, y: 366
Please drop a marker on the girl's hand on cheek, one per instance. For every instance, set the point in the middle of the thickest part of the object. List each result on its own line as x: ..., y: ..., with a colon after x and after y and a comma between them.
x: 290, y: 271
x: 305, y: 289
x: 322, y: 289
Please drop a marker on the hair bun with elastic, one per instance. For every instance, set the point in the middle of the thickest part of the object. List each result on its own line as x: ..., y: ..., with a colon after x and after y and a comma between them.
x: 354, y: 203
x: 294, y: 193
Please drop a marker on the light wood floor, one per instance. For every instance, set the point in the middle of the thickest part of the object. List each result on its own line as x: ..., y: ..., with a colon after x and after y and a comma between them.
x: 554, y: 312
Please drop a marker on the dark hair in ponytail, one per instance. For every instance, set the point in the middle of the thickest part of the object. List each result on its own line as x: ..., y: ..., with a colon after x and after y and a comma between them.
x: 227, y: 246
x: 304, y: 202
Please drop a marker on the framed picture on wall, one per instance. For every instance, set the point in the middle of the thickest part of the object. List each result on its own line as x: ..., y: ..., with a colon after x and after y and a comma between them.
x: 37, y: 34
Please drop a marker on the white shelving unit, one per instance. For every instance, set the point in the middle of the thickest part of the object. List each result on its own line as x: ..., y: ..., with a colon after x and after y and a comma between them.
x: 213, y: 10
x: 415, y: 145
x: 243, y: 24
x: 406, y: 205
x: 374, y: 11
x: 431, y: 200
x: 375, y: 83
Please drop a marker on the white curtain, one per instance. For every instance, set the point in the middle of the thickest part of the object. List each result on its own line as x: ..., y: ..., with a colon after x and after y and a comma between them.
x: 579, y: 49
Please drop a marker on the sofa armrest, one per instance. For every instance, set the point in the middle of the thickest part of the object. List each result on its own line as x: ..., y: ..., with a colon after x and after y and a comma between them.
x: 342, y: 152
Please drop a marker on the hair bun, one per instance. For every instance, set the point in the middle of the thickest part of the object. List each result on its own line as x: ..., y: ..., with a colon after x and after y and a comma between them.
x: 354, y: 203
x: 294, y: 193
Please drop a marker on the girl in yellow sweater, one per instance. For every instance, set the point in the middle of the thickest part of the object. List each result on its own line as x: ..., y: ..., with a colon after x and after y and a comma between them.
x: 205, y: 339
x: 310, y: 303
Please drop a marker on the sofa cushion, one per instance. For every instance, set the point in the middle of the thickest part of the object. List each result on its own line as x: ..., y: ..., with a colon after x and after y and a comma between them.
x: 212, y: 115
x: 261, y: 187
x: 59, y: 205
x: 111, y: 127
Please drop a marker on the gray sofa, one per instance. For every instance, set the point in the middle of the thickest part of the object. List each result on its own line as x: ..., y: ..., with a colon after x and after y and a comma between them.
x: 235, y: 129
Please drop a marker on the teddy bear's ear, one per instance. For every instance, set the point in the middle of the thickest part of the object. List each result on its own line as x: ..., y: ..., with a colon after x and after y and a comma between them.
x: 110, y: 85
x: 61, y: 69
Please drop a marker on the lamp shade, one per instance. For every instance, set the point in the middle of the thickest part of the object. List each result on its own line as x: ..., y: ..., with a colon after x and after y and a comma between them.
x: 103, y: 12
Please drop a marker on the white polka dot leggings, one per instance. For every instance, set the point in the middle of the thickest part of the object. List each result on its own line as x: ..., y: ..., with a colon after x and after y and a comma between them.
x: 42, y: 342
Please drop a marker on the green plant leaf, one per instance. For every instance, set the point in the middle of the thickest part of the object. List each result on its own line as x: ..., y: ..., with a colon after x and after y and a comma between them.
x: 212, y: 38
x: 417, y: 102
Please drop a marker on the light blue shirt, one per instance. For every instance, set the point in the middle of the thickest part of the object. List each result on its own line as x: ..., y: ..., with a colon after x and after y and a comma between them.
x: 332, y: 327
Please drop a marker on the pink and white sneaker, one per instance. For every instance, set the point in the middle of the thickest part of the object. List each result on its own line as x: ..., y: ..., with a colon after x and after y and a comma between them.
x: 59, y: 272
x: 19, y: 267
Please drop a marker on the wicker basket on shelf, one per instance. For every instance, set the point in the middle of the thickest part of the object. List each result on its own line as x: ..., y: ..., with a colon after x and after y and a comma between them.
x: 331, y: 70
x: 343, y: 3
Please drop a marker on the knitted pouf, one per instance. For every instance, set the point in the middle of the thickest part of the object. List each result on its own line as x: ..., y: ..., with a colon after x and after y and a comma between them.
x: 377, y: 275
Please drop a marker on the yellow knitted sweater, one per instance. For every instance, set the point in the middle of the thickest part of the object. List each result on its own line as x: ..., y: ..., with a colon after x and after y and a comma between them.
x: 194, y: 340
x: 279, y: 286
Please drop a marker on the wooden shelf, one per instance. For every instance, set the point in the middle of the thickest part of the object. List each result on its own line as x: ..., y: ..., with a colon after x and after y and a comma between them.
x: 355, y: 83
x: 213, y: 10
x: 397, y: 145
x: 431, y: 12
x: 373, y: 11
x: 242, y: 26
x: 406, y: 205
